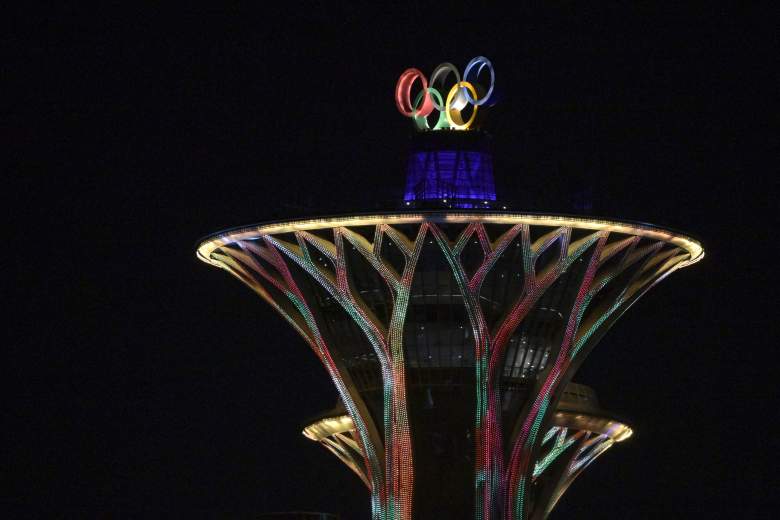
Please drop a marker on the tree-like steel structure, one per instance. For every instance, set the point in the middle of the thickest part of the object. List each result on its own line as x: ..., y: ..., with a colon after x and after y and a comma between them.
x: 450, y: 337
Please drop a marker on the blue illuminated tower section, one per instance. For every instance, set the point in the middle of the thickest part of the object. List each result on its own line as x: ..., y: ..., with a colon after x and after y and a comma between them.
x: 449, y: 169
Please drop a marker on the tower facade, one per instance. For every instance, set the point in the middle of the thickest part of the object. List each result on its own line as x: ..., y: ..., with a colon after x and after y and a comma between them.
x: 452, y: 329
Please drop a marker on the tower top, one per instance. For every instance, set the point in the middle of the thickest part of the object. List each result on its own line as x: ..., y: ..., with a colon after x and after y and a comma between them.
x: 450, y: 170
x: 457, y: 105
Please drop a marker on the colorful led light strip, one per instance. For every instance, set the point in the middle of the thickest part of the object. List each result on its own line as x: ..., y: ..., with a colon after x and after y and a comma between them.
x: 525, y: 443
x: 316, y: 341
x: 335, y: 434
x: 562, y: 443
x: 592, y: 446
x: 387, y: 497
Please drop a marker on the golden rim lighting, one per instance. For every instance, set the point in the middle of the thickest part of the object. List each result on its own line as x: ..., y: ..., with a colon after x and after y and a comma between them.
x: 691, y: 245
x: 615, y: 430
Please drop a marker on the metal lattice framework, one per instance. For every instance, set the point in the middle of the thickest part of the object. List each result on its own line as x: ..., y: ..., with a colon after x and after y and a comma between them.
x: 512, y: 304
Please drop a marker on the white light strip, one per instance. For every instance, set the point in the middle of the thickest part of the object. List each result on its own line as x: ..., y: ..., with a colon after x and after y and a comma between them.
x: 693, y: 247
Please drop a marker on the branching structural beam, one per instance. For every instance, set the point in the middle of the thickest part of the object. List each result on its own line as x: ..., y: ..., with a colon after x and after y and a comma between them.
x: 608, y: 264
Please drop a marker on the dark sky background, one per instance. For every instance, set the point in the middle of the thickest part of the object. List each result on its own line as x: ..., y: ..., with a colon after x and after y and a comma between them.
x: 142, y: 382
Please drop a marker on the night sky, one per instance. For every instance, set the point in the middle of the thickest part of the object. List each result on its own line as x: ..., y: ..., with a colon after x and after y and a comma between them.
x: 143, y: 383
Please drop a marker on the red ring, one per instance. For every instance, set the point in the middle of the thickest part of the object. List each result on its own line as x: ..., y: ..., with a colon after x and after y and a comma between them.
x: 403, y: 92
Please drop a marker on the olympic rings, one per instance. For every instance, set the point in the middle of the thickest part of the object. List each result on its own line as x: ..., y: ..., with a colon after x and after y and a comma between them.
x: 462, y: 93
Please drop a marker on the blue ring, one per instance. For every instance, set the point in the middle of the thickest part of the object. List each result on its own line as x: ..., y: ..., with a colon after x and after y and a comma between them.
x: 482, y: 62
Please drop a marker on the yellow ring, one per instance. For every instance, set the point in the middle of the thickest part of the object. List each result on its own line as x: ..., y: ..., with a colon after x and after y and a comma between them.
x: 453, y: 115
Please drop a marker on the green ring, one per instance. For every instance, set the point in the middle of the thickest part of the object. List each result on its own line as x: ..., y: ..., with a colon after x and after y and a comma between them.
x: 422, y: 122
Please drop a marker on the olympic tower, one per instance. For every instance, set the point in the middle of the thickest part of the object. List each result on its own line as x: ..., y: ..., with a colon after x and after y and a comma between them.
x: 452, y: 327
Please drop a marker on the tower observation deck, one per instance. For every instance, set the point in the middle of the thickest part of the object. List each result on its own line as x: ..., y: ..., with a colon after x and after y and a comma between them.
x: 451, y: 328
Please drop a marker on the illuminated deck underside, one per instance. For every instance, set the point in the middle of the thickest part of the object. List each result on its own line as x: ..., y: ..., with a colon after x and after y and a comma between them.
x: 450, y: 336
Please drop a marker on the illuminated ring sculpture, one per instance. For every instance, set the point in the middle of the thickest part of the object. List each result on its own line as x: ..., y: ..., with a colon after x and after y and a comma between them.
x: 439, y: 74
x: 579, y: 432
x: 480, y: 62
x: 453, y: 113
x: 403, y: 92
x: 461, y: 94
x: 422, y: 122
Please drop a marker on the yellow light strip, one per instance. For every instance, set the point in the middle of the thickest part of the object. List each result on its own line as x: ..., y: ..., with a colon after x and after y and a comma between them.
x: 328, y: 426
x: 615, y: 430
x: 693, y: 247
